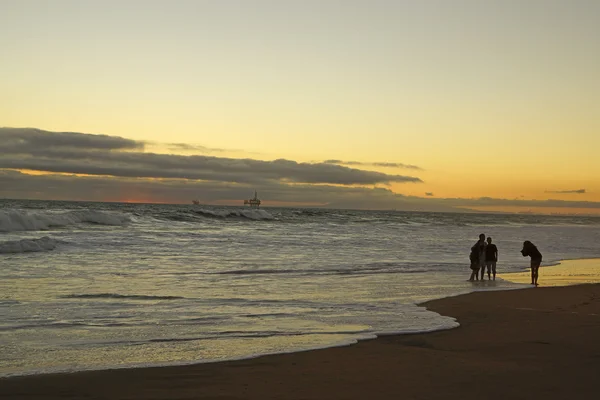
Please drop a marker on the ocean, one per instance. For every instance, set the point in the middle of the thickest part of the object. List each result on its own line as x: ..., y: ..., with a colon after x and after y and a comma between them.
x: 114, y: 285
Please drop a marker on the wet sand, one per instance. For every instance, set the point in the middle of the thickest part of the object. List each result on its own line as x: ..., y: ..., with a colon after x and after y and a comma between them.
x: 519, y: 344
x: 567, y: 272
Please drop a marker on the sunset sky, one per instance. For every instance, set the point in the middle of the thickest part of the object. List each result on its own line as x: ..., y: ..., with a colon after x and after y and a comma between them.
x: 408, y: 105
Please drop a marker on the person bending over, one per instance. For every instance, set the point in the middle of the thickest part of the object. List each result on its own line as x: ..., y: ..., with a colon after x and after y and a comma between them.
x: 530, y: 250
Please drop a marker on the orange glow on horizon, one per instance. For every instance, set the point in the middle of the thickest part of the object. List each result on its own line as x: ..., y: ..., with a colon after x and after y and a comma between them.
x: 538, y: 210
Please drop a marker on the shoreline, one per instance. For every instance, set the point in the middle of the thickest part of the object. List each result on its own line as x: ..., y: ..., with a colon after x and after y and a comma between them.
x: 509, y: 344
x: 116, y: 381
x: 514, y: 277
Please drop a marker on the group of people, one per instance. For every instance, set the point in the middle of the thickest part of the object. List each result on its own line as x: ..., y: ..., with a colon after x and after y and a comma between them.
x: 484, y: 255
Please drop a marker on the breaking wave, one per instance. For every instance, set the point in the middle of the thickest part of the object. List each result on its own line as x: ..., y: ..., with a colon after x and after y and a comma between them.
x: 18, y: 220
x: 249, y: 214
x: 120, y: 296
x: 28, y: 245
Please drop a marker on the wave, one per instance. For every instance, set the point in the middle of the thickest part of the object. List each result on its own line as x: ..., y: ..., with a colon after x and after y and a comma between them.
x: 18, y: 220
x: 46, y: 325
x: 313, y: 212
x: 28, y: 245
x: 9, y: 302
x: 120, y: 296
x: 333, y: 271
x: 251, y: 334
x: 220, y: 335
x: 199, y: 215
x: 367, y: 269
x: 249, y: 214
x: 184, y: 217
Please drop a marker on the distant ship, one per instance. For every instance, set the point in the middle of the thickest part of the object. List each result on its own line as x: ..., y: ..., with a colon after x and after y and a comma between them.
x: 196, y: 202
x: 254, y: 202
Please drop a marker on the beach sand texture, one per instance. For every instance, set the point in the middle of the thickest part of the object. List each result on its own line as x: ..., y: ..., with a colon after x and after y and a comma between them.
x: 539, y: 343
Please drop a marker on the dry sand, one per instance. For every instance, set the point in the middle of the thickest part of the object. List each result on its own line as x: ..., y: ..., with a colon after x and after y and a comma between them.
x: 539, y: 343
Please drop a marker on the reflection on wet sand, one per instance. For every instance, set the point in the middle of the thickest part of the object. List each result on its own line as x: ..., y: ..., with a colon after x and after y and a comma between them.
x: 567, y: 272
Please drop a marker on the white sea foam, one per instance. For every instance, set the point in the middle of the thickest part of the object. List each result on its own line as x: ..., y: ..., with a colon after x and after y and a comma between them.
x: 18, y: 220
x: 28, y: 245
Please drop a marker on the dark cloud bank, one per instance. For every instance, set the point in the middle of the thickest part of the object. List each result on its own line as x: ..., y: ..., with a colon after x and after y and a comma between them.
x: 115, y: 168
x: 78, y: 153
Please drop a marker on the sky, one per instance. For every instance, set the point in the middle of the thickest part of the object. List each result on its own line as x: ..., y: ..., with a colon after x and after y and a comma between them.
x: 410, y: 105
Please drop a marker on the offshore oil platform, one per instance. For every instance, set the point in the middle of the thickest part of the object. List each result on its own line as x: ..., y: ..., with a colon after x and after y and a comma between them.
x: 253, y: 202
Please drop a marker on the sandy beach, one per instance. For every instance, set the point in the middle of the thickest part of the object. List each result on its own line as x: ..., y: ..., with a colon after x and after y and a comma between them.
x: 517, y: 344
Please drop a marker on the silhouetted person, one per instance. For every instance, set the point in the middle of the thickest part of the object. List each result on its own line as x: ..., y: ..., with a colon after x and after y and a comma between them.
x: 481, y: 245
x: 474, y: 257
x: 530, y: 250
x: 477, y: 257
x: 491, y: 257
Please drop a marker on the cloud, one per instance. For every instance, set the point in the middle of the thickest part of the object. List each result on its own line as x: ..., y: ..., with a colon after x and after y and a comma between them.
x: 78, y: 153
x: 193, y: 148
x: 395, y: 165
x: 577, y: 191
x: 101, y: 188
x: 495, y: 202
x: 373, y: 164
x: 17, y: 184
x: 18, y: 139
x: 99, y: 167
